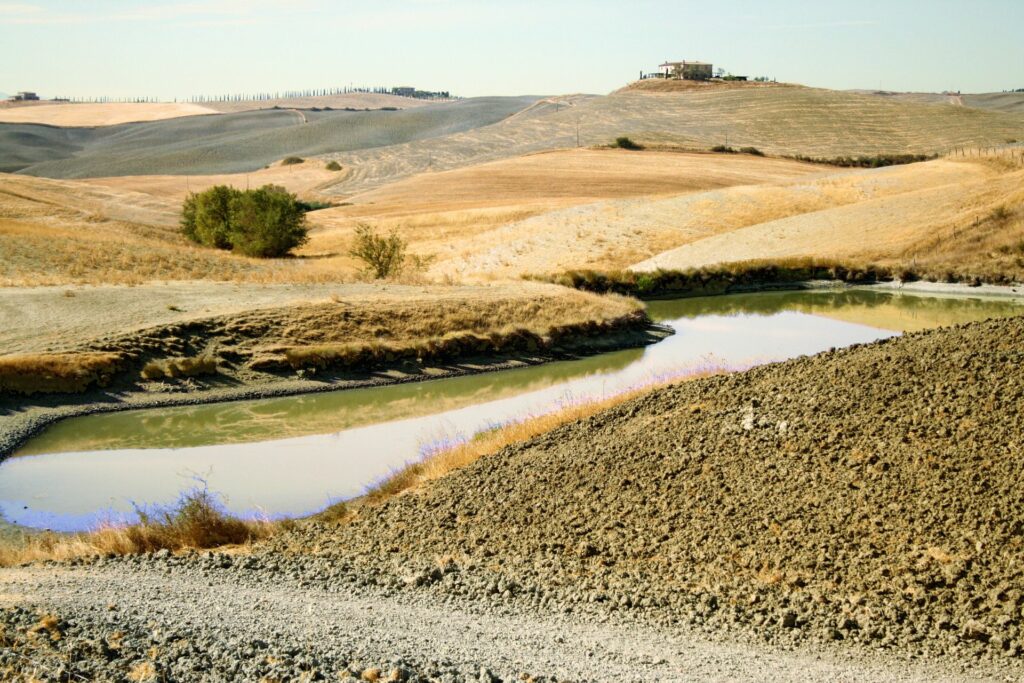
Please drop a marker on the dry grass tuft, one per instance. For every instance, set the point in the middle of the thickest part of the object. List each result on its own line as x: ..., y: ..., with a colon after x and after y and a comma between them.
x: 180, y: 367
x: 56, y: 372
x: 197, y: 521
x: 142, y: 672
x: 50, y: 625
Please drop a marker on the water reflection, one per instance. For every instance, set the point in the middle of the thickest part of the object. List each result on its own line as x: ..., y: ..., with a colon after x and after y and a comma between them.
x: 332, y: 446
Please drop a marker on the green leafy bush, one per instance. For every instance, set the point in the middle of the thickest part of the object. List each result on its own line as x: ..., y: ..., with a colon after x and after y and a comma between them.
x: 754, y: 151
x: 291, y: 161
x: 206, y: 217
x: 333, y: 166
x: 267, y: 222
x: 626, y: 143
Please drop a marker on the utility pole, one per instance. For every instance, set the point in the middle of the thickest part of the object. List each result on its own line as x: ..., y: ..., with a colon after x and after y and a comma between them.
x: 577, y: 130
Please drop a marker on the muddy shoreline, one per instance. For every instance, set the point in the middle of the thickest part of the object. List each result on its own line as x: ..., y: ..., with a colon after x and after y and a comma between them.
x: 19, y: 424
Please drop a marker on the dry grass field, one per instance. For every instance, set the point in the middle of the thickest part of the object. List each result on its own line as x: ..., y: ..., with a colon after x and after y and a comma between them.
x: 53, y: 342
x: 234, y: 142
x: 89, y: 114
x: 494, y: 216
x: 617, y: 233
x: 303, y: 179
x: 64, y: 232
x: 671, y: 85
x: 456, y: 216
x: 124, y: 229
x: 47, y: 319
x: 541, y: 213
x: 947, y: 215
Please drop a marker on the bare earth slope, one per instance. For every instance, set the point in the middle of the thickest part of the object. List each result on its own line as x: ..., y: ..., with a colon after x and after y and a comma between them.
x: 869, y: 495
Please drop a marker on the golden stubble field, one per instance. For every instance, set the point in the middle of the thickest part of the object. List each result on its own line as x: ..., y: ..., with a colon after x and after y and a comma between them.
x: 124, y: 230
x: 542, y: 213
x: 949, y: 215
x: 98, y: 114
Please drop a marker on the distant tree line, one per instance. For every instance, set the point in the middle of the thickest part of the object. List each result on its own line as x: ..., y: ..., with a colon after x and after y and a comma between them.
x: 279, y: 95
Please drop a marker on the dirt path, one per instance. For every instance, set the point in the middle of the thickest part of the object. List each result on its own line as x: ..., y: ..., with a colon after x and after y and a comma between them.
x: 225, y: 606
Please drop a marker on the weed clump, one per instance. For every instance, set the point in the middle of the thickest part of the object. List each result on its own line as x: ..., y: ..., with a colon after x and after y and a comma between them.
x: 1000, y: 214
x: 198, y: 520
x: 313, y: 205
x: 180, y: 367
x: 384, y: 256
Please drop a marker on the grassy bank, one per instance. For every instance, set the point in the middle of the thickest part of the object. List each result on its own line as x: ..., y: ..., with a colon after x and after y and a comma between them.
x: 356, y: 330
x: 745, y: 275
x: 32, y: 373
x: 197, y: 521
x: 450, y: 346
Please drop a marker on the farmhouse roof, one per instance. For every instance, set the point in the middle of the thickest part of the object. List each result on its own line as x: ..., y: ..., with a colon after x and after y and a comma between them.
x: 685, y: 63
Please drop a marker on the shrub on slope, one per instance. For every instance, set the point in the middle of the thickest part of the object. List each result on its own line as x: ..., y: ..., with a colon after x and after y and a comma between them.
x: 267, y: 222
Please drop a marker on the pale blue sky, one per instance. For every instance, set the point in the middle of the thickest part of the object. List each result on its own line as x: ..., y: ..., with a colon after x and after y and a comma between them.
x: 168, y: 49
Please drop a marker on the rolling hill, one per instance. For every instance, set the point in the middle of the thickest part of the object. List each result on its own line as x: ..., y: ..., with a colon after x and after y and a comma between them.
x: 942, y: 215
x: 780, y: 120
x: 1012, y: 102
x: 231, y: 143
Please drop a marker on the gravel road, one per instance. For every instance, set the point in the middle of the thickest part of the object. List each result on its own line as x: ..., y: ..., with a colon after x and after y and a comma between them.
x: 237, y: 625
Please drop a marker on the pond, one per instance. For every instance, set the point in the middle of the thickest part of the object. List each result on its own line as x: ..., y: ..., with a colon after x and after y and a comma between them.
x: 295, y: 455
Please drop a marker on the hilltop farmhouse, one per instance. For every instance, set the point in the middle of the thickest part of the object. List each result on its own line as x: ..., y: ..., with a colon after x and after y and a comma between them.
x: 689, y: 71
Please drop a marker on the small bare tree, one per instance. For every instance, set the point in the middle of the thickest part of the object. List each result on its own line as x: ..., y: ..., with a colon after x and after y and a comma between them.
x: 383, y: 256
